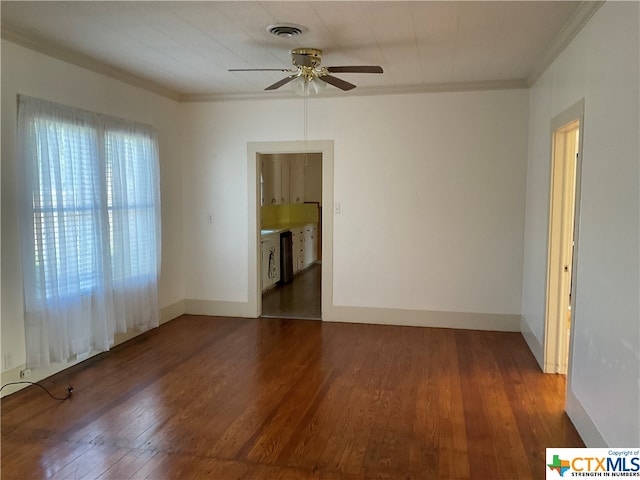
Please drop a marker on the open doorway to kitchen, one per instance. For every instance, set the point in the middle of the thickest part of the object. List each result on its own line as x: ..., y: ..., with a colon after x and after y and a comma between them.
x: 292, y: 184
x: 562, y: 247
x: 291, y: 234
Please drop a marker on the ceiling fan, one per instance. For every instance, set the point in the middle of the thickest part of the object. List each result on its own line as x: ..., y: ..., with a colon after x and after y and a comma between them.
x: 307, y: 68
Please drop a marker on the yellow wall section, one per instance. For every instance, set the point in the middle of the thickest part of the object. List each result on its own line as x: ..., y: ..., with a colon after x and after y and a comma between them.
x: 289, y: 215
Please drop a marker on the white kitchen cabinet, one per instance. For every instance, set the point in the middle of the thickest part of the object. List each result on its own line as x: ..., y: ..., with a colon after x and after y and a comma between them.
x: 310, y: 244
x: 298, y: 248
x: 296, y: 181
x: 305, y: 250
x: 270, y: 250
x: 284, y: 179
x: 271, y: 181
x: 275, y: 180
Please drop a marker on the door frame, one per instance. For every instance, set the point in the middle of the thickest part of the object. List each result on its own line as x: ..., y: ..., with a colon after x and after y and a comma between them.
x: 557, y: 351
x: 325, y: 147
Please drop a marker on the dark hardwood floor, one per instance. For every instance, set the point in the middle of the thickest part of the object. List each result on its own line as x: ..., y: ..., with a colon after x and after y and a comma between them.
x: 299, y: 299
x: 229, y: 398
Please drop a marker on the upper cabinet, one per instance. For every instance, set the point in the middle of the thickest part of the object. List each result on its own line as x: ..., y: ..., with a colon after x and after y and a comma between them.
x: 267, y: 181
x: 283, y: 165
x: 282, y: 179
x: 272, y: 181
x: 296, y: 181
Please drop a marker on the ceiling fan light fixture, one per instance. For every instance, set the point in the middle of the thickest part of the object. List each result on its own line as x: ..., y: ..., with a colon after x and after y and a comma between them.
x: 304, y: 86
x: 286, y: 30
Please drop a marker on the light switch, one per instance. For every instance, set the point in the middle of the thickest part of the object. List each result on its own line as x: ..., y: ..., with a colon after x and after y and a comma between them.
x: 7, y: 361
x: 337, y: 208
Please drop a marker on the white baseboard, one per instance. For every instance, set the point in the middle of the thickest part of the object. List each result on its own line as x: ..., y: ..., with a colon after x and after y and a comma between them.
x: 172, y: 311
x: 37, y: 375
x: 382, y: 316
x: 424, y: 318
x: 582, y: 421
x: 533, y: 343
x: 216, y: 308
x: 166, y: 314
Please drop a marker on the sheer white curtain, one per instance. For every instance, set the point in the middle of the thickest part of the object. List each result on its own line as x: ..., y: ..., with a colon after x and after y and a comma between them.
x: 134, y: 217
x: 90, y: 227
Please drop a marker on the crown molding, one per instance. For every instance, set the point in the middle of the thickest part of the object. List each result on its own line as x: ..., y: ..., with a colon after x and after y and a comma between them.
x: 575, y: 24
x: 367, y: 91
x: 84, y: 61
x: 559, y: 43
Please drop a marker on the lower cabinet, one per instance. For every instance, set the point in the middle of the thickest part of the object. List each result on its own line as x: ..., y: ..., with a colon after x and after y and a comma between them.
x: 305, y: 246
x: 310, y: 244
x: 305, y: 253
x: 298, y: 248
x: 270, y: 249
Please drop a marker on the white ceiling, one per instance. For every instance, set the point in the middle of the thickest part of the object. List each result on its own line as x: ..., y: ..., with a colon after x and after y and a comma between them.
x: 184, y: 49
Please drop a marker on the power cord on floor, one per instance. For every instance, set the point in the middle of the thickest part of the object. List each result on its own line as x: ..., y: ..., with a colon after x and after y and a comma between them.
x: 61, y: 399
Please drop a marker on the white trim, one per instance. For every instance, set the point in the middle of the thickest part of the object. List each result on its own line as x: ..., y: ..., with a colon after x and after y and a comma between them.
x: 424, y: 318
x: 368, y: 91
x: 172, y: 311
x: 167, y: 314
x: 375, y: 316
x: 533, y: 343
x: 215, y: 308
x: 558, y: 360
x: 86, y: 62
x: 569, y: 31
x: 582, y: 421
x: 37, y: 375
x: 575, y: 24
x: 254, y: 305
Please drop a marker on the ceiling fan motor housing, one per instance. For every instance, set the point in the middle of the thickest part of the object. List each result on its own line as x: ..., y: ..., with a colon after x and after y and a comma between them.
x: 313, y: 55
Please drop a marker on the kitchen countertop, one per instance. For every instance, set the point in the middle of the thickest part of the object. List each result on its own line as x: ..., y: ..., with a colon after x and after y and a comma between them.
x: 266, y: 231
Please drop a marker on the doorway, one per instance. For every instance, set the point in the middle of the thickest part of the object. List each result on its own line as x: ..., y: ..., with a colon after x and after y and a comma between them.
x: 562, y: 246
x: 291, y: 206
x: 254, y: 150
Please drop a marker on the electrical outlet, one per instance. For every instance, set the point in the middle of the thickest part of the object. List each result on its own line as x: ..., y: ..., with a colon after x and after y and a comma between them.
x: 26, y: 373
x: 210, y: 218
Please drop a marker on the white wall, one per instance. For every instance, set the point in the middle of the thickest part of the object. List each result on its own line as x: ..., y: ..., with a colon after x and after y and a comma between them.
x: 27, y: 72
x: 600, y: 65
x: 431, y: 188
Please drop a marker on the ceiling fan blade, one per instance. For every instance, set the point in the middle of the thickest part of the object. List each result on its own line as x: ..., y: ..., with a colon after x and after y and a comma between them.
x: 302, y: 60
x: 356, y: 69
x: 280, y: 83
x: 259, y: 70
x: 337, y: 82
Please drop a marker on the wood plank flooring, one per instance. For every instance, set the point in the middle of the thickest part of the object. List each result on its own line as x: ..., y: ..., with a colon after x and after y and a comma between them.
x: 229, y: 398
x: 299, y: 299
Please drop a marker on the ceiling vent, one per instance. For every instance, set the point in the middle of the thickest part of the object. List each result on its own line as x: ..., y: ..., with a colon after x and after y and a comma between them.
x: 286, y: 30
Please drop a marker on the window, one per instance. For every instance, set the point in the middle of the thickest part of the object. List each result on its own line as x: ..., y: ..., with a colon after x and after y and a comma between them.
x: 90, y: 225
x: 65, y: 218
x: 131, y: 207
